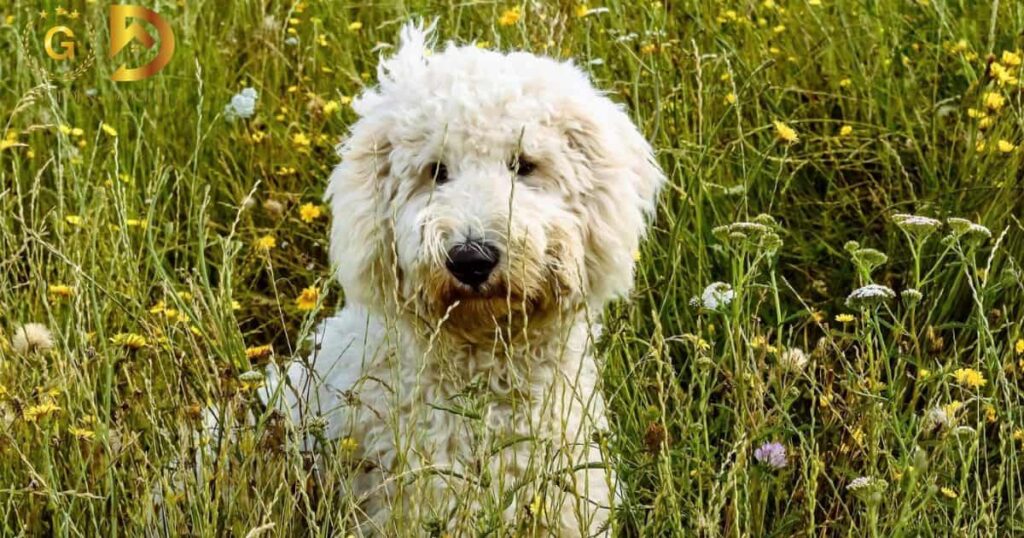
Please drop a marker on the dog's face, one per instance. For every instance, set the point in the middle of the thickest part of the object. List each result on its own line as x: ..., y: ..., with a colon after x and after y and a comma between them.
x: 477, y: 184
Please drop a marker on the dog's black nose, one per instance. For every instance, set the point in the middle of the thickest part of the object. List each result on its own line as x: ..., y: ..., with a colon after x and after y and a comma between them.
x: 472, y: 262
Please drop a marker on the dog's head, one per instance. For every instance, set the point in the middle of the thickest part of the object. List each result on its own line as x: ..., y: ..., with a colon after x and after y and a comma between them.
x: 477, y: 183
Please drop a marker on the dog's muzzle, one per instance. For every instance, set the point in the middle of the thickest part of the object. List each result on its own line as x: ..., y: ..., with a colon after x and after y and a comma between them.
x: 472, y: 262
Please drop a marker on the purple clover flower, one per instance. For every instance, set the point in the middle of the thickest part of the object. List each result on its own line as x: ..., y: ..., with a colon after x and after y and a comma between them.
x: 772, y: 454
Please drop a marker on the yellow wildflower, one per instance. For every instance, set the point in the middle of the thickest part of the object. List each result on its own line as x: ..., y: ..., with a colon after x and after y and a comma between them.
x: 82, y: 433
x: 1019, y: 346
x: 258, y: 352
x: 785, y: 132
x: 131, y: 341
x: 110, y: 131
x: 300, y: 140
x: 60, y: 290
x: 845, y: 318
x: 35, y: 412
x: 730, y: 98
x: 951, y: 408
x: 923, y: 373
x: 990, y: 413
x: 1011, y: 59
x: 330, y: 107
x: 994, y: 101
x: 1018, y: 434
x: 1002, y: 74
x: 307, y: 299
x: 510, y: 16
x: 648, y: 48
x: 969, y: 377
x: 845, y: 83
x: 1006, y: 146
x: 355, y: 26
x: 845, y: 130
x: 582, y: 10
x: 266, y: 242
x: 949, y: 492
x: 309, y: 212
x: 348, y: 444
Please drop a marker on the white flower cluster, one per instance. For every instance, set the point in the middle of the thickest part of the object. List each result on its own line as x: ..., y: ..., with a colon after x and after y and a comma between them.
x: 242, y: 105
x: 870, y: 295
x: 716, y: 295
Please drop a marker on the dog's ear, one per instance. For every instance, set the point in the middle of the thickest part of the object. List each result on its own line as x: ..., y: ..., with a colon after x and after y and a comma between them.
x: 361, y: 187
x: 619, y: 178
x: 358, y: 191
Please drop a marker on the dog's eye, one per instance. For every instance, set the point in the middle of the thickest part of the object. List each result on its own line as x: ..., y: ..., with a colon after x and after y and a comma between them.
x: 439, y: 173
x: 522, y: 166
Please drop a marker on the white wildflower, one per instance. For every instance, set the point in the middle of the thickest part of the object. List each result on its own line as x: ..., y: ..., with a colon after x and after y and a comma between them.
x: 793, y: 360
x: 291, y: 41
x: 936, y: 418
x: 916, y: 225
x: 242, y: 105
x: 911, y: 296
x: 870, y: 295
x: 32, y: 337
x: 717, y: 294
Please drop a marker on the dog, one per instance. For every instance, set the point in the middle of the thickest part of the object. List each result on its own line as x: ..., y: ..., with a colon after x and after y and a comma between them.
x: 486, y: 207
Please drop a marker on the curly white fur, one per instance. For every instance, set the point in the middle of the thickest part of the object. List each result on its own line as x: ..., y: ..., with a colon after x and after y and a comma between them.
x: 461, y: 400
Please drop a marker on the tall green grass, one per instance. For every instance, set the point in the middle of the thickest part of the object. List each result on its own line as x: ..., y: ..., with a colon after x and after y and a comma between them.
x: 171, y: 201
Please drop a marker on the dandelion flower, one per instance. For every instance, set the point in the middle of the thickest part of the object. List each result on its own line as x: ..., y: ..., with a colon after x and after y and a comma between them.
x: 772, y: 454
x: 1005, y: 146
x: 42, y: 410
x: 266, y: 242
x: 109, y: 130
x: 307, y: 299
x: 84, y: 434
x: 242, y: 104
x: 785, y: 132
x: 130, y: 341
x: 845, y: 318
x: 32, y: 337
x: 510, y: 16
x: 969, y: 377
x: 309, y: 212
x: 870, y: 296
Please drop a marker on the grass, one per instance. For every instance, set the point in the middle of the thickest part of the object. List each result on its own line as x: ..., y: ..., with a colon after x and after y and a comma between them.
x: 169, y: 204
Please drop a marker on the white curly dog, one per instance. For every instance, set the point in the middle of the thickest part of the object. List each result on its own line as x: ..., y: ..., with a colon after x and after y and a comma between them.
x: 486, y: 207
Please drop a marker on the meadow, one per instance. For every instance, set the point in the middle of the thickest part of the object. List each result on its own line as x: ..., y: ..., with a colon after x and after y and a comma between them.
x: 826, y: 337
